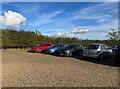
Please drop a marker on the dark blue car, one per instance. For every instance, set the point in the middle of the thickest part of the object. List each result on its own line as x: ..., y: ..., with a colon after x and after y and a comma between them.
x: 116, y: 51
x: 115, y: 48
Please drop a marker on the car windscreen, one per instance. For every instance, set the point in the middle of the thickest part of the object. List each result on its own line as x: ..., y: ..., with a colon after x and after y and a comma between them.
x: 69, y: 46
x: 54, y: 46
x: 116, y: 46
x: 62, y: 45
x: 38, y: 45
x: 118, y: 50
x: 92, y: 47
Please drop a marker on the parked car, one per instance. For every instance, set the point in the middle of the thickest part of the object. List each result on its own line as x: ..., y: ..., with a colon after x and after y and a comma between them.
x: 53, y: 49
x: 96, y: 50
x: 40, y: 47
x: 71, y: 50
x: 117, y: 55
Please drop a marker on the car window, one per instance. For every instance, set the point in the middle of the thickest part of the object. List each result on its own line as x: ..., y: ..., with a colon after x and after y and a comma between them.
x: 116, y: 46
x: 80, y: 46
x: 47, y: 44
x: 69, y: 46
x: 44, y: 45
x: 106, y: 47
x: 118, y: 50
x: 55, y: 46
x: 102, y: 47
x: 75, y: 46
x: 92, y: 47
x: 39, y: 44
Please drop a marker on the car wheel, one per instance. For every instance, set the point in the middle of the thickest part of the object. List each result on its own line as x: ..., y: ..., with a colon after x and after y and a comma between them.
x: 101, y: 57
x: 117, y: 63
x: 81, y: 53
x: 55, y: 53
x: 70, y: 54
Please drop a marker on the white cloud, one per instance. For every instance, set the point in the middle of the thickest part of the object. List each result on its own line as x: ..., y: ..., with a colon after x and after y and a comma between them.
x: 59, y: 34
x: 1, y: 19
x: 80, y: 31
x: 12, y: 19
x: 73, y: 33
x: 98, y: 32
x: 58, y: 12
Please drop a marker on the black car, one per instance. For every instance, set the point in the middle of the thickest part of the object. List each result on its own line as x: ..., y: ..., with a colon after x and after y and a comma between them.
x: 71, y: 50
x: 117, y: 56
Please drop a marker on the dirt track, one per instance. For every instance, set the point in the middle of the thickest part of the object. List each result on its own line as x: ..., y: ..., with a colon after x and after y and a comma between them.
x: 24, y: 69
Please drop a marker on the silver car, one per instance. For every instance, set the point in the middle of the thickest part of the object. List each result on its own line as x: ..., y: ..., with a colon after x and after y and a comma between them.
x: 97, y: 51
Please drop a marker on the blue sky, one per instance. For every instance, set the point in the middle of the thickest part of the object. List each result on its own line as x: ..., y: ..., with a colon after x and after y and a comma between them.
x: 85, y: 20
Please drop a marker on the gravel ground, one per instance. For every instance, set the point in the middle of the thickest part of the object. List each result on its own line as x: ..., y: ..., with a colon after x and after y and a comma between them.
x: 0, y: 68
x: 25, y: 69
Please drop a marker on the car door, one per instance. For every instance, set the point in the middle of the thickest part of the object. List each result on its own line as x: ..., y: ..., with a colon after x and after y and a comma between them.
x: 108, y: 53
x: 77, y: 49
x: 47, y: 46
x: 105, y: 50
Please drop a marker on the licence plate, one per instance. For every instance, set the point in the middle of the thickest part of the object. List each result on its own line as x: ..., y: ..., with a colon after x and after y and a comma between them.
x: 61, y: 54
x: 90, y: 53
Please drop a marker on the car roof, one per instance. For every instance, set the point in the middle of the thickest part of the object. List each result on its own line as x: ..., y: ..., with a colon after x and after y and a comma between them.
x: 97, y: 44
x: 75, y: 44
x: 117, y: 45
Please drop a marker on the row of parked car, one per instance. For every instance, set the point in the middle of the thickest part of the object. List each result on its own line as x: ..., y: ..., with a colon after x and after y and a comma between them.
x: 94, y: 50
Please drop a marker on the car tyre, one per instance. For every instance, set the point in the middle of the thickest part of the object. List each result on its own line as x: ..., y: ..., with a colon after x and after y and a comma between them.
x: 85, y: 57
x: 117, y: 63
x: 101, y: 57
x: 55, y: 53
x: 70, y: 54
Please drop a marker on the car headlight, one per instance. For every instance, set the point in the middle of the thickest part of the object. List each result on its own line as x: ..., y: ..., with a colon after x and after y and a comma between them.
x: 98, y: 52
x: 51, y: 50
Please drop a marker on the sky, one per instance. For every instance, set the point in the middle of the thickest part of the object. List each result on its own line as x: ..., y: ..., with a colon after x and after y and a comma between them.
x: 84, y: 20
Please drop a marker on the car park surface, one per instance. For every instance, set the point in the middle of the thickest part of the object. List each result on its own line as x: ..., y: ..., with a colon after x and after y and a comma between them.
x: 26, y: 69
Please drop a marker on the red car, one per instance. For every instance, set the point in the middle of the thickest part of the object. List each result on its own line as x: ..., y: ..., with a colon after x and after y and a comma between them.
x: 40, y: 47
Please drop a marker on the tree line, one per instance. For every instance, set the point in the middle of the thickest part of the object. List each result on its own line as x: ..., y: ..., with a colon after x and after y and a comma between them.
x: 21, y: 39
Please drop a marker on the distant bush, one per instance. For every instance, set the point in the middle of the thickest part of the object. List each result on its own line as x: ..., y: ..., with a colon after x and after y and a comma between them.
x: 22, y: 39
